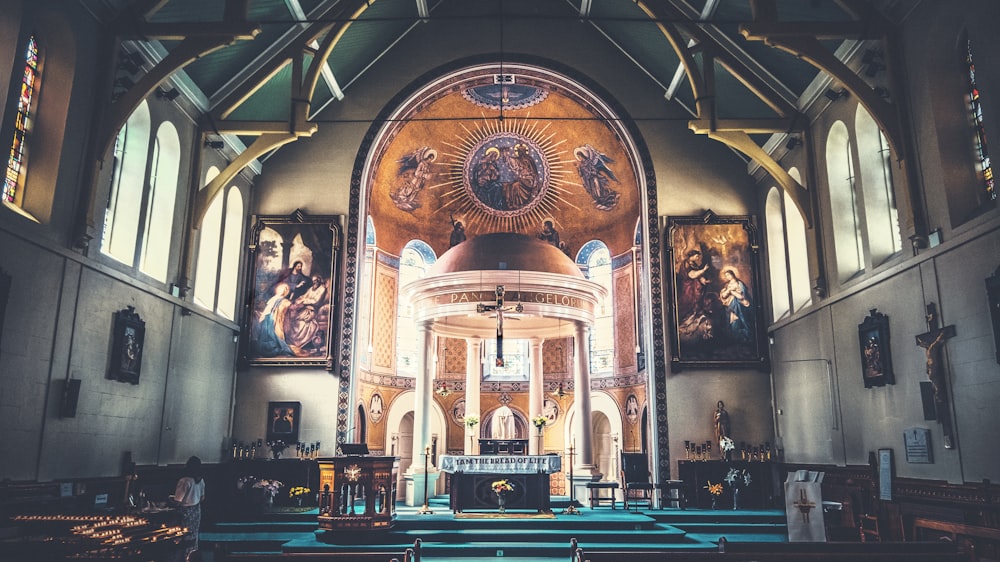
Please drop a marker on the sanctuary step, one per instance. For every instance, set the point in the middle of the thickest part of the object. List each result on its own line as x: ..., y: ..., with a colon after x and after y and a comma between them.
x: 526, y: 534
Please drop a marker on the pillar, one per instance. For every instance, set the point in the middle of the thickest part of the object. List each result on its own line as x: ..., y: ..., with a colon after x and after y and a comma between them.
x: 473, y: 376
x: 535, y: 395
x: 583, y: 464
x: 423, y: 389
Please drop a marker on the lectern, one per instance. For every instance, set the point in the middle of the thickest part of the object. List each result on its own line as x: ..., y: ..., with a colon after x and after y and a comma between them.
x: 357, y: 492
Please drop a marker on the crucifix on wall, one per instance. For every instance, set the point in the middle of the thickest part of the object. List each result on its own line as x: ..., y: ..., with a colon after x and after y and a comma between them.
x: 932, y: 341
x: 499, y: 308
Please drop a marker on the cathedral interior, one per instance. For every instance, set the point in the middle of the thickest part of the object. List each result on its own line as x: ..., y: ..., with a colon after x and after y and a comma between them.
x: 695, y: 230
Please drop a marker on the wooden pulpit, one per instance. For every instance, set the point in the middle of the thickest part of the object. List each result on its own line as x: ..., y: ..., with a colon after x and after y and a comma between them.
x: 357, y: 492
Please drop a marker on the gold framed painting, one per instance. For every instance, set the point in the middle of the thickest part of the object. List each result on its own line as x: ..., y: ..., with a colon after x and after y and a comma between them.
x: 715, y: 292
x: 292, y: 301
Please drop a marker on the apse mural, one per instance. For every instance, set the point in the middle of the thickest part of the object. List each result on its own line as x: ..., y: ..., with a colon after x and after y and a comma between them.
x: 518, y: 154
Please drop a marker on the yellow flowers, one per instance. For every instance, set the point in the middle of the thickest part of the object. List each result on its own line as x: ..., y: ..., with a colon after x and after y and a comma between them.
x: 714, y: 489
x: 298, y: 491
x: 501, y: 486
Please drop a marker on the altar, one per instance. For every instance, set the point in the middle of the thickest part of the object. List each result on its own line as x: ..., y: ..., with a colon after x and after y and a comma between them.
x: 472, y: 478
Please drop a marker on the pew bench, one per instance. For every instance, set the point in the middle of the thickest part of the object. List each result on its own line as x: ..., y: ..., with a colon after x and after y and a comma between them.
x: 314, y: 557
x: 789, y: 552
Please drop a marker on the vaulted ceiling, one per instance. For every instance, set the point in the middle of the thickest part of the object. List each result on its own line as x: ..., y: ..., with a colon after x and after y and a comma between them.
x: 261, y: 71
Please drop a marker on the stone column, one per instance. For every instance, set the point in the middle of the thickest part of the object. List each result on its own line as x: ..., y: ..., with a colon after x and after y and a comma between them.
x: 535, y: 395
x: 584, y: 469
x: 473, y: 376
x: 423, y: 390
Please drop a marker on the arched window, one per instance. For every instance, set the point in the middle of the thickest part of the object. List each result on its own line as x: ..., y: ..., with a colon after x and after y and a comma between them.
x: 221, y: 232
x: 417, y: 256
x: 13, y: 182
x: 232, y: 234
x: 788, y: 257
x: 164, y: 172
x: 121, y: 217
x: 597, y: 260
x: 875, y: 166
x: 797, y: 249
x: 206, y: 270
x: 843, y: 202
x: 365, y: 305
x: 983, y: 164
x: 776, y: 256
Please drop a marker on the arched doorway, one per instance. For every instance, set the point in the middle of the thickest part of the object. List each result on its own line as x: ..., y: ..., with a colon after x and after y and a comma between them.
x: 604, y: 447
x: 403, y: 439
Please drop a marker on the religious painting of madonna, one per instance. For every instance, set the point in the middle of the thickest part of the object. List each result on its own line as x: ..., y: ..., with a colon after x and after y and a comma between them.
x: 292, y: 305
x: 717, y: 318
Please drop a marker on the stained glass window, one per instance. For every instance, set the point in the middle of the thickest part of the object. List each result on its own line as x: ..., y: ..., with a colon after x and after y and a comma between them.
x: 22, y: 125
x: 977, y: 119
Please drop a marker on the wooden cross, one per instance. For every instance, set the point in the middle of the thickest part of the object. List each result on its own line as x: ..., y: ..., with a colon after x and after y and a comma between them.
x: 932, y: 341
x: 499, y: 308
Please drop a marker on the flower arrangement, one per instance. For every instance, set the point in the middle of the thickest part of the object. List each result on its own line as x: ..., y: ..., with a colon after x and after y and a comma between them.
x: 501, y: 486
x: 471, y: 421
x: 727, y: 444
x: 539, y: 421
x: 714, y: 489
x: 270, y: 487
x: 738, y: 477
x: 243, y: 481
x: 298, y: 491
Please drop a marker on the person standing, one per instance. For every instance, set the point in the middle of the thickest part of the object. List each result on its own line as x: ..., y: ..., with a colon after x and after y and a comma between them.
x: 188, y: 495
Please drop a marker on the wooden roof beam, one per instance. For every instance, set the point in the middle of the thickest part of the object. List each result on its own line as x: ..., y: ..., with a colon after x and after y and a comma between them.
x: 748, y: 126
x: 810, y: 50
x: 743, y: 143
x: 758, y: 31
x: 264, y: 144
x: 238, y: 31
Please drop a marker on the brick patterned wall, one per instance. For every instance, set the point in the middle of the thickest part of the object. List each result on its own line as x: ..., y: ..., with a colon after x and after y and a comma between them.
x: 624, y: 299
x: 384, y: 316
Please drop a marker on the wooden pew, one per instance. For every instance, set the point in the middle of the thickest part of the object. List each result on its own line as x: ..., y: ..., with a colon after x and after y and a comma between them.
x: 316, y: 557
x: 982, y: 542
x: 788, y: 552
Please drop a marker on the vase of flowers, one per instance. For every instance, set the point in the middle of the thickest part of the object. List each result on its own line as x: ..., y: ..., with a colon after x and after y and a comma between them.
x: 727, y: 446
x: 540, y: 421
x: 500, y: 488
x: 714, y: 491
x: 298, y: 493
x: 470, y: 422
x: 270, y: 489
x: 737, y: 478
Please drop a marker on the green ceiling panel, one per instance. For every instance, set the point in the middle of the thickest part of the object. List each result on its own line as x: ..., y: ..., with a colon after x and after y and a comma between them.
x: 630, y: 28
x: 367, y: 38
x: 270, y: 103
x: 735, y: 101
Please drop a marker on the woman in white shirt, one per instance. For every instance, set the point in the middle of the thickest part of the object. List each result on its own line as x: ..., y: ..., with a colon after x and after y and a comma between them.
x: 188, y: 495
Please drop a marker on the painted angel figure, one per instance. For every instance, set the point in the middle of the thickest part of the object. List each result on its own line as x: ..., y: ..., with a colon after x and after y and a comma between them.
x: 592, y: 165
x: 414, y: 172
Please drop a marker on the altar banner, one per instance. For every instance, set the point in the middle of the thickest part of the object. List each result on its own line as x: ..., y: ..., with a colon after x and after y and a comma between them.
x: 501, y: 464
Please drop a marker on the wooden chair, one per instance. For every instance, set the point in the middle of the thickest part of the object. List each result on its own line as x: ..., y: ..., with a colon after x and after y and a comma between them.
x: 637, y: 482
x: 868, y: 528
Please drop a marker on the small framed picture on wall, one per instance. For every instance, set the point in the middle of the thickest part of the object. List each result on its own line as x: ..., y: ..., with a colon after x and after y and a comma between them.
x: 873, y: 344
x: 283, y: 419
x: 128, y: 337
